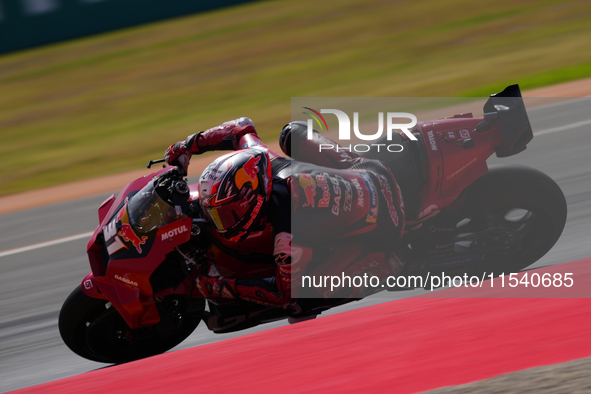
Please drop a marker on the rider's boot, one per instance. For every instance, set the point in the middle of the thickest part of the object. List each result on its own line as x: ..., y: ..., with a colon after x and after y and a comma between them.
x: 261, y: 291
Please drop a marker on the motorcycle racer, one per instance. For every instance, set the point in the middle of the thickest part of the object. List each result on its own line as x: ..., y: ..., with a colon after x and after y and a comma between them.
x: 333, y: 198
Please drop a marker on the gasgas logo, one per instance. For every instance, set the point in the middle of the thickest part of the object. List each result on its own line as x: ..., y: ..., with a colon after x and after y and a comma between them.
x: 345, y: 130
x: 125, y: 280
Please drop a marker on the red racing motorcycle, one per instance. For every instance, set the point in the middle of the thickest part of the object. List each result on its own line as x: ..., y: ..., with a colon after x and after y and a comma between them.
x: 153, y: 238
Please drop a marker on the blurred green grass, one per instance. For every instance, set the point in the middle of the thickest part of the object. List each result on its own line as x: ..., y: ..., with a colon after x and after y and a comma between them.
x: 109, y: 103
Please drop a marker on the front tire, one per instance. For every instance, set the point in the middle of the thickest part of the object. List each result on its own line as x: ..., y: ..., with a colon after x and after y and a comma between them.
x: 93, y: 329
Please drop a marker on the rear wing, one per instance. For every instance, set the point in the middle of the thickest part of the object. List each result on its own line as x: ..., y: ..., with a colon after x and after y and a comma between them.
x: 508, y: 109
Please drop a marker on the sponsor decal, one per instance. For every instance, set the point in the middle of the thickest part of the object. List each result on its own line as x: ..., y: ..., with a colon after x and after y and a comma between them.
x: 171, y: 233
x: 122, y: 211
x: 249, y: 144
x: 110, y: 232
x: 127, y: 281
x: 323, y: 184
x: 254, y: 213
x: 224, y: 189
x: 250, y: 167
x: 373, y: 199
x: 88, y: 284
x: 337, y: 191
x: 285, y: 272
x: 308, y: 184
x: 128, y: 235
x: 464, y: 134
x: 348, y: 196
x: 388, y: 196
x: 359, y: 189
x: 432, y: 141
x: 451, y: 135
x: 210, y: 172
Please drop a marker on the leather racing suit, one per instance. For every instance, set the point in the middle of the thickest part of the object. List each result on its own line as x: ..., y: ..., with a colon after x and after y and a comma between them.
x: 335, y: 213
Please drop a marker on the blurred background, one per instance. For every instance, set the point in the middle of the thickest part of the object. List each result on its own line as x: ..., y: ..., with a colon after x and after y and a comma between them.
x: 77, y: 108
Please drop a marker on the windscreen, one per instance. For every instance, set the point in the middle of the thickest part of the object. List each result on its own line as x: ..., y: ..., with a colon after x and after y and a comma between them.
x: 148, y: 211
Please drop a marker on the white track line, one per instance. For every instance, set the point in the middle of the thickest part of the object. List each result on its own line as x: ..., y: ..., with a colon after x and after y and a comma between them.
x: 544, y: 107
x: 45, y: 244
x: 562, y: 128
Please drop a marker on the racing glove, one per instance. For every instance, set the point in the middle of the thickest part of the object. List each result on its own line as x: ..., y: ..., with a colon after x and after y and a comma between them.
x: 222, y: 137
x: 177, y: 155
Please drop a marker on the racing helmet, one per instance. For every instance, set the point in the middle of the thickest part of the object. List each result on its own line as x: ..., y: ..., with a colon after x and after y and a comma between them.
x: 235, y: 190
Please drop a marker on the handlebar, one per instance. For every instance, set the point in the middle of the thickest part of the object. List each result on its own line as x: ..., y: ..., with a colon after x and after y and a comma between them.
x: 151, y: 162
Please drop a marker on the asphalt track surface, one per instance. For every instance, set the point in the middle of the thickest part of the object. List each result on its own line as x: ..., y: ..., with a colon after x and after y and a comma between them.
x: 35, y: 281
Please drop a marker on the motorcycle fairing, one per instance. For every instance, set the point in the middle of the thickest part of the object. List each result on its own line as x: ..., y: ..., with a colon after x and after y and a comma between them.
x: 105, y: 207
x: 95, y: 247
x: 124, y: 278
x: 464, y: 144
x: 126, y: 283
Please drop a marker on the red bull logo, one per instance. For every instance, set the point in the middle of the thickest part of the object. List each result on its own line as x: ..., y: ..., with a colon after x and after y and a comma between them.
x: 129, y: 235
x: 250, y: 167
x: 323, y: 184
x: 122, y: 211
x: 248, y: 173
x: 308, y: 184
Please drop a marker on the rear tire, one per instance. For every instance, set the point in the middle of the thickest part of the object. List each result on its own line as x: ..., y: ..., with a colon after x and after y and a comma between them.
x: 93, y: 329
x: 512, y: 216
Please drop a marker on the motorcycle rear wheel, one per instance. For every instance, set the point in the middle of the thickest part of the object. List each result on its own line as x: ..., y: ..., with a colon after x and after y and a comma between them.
x: 512, y: 217
x: 93, y: 329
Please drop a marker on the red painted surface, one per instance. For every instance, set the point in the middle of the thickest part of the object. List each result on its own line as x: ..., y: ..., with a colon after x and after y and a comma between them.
x: 403, y: 346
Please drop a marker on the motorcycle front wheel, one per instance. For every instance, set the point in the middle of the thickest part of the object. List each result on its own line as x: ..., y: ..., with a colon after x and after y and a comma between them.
x: 93, y: 329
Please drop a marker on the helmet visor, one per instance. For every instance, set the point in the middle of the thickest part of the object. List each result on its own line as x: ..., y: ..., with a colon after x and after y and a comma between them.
x: 227, y: 216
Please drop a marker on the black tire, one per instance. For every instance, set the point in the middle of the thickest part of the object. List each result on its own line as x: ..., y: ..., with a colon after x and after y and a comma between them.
x: 93, y: 329
x: 512, y: 216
